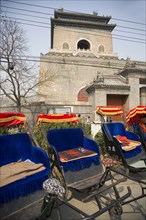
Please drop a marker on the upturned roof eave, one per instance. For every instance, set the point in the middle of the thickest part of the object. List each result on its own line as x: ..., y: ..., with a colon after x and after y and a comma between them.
x: 84, y: 24
x: 62, y: 14
x: 98, y: 86
x: 126, y: 71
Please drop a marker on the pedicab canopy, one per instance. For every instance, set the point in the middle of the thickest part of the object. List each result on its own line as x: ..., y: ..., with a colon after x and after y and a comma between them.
x: 134, y: 115
x: 11, y: 118
x: 56, y: 118
x: 109, y: 110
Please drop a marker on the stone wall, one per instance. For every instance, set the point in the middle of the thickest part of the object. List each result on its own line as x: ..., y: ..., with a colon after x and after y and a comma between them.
x: 72, y: 36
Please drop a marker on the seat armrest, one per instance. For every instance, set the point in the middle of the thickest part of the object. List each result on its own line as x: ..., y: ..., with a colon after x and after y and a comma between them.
x: 91, y: 145
x: 40, y: 156
x: 132, y: 136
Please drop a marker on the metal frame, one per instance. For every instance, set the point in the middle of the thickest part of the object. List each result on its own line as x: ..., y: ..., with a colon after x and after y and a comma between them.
x: 114, y: 150
x: 97, y: 192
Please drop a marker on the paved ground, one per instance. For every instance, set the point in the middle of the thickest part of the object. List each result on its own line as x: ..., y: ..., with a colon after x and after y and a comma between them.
x: 132, y: 211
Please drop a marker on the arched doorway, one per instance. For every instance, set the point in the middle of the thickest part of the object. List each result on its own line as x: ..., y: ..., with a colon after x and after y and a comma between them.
x: 82, y: 95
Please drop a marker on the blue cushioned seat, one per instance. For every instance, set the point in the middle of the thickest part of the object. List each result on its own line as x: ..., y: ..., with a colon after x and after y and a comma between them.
x: 70, y: 138
x: 140, y: 132
x: 15, y: 147
x: 117, y: 128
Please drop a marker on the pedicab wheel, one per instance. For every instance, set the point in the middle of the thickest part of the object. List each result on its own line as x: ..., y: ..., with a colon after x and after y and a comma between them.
x: 116, y: 212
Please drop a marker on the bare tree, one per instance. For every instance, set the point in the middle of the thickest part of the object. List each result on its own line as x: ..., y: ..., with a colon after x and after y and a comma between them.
x: 18, y: 76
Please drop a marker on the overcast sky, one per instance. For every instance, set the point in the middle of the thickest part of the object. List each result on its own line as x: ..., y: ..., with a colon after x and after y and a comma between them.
x: 129, y: 36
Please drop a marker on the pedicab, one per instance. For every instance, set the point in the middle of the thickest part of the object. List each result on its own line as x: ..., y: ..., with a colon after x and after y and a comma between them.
x: 77, y: 171
x: 123, y: 146
x: 121, y: 143
x: 23, y: 166
x: 136, y: 118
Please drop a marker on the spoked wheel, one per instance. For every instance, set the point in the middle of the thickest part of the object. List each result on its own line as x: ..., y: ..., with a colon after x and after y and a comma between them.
x: 116, y: 212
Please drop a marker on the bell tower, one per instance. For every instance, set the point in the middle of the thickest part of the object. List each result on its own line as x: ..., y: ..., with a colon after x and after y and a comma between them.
x: 75, y: 32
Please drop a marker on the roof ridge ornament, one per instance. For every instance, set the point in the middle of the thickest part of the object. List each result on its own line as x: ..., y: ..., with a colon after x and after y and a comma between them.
x: 130, y: 64
x: 99, y: 78
x: 95, y: 13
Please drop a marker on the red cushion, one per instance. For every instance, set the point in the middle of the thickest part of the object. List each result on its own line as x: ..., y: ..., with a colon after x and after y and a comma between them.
x: 123, y: 139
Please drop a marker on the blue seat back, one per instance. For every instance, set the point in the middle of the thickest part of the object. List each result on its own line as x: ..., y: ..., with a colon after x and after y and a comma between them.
x: 14, y: 147
x: 116, y: 128
x: 65, y: 138
x: 139, y: 130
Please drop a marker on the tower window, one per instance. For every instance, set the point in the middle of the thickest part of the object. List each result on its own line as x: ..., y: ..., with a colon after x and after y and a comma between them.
x: 101, y: 49
x: 83, y: 44
x: 65, y: 46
